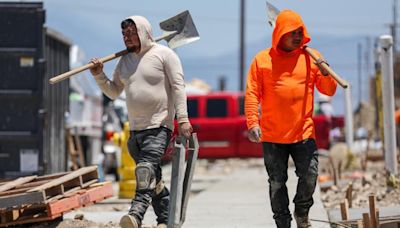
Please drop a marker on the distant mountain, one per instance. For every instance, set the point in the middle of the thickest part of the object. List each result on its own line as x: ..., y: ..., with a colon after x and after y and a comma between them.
x: 340, y: 52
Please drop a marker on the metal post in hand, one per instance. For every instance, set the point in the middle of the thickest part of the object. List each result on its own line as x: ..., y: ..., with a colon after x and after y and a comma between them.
x: 181, y: 179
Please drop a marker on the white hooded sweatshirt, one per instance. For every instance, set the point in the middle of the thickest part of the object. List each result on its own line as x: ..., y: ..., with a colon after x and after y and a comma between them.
x: 152, y: 80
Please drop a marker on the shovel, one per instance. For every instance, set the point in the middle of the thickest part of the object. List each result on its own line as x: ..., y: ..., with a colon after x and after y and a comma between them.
x: 177, y: 31
x: 272, y: 13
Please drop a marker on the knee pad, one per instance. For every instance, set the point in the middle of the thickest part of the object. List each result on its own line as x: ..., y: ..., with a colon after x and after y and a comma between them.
x: 145, y: 178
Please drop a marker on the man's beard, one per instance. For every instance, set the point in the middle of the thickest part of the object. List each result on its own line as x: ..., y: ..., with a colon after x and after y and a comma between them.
x: 133, y: 49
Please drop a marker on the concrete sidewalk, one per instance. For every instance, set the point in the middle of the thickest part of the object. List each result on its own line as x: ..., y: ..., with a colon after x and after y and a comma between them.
x: 238, y: 198
x: 224, y: 204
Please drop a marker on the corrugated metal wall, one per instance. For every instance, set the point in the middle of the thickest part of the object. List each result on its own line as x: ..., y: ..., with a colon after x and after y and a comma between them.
x: 56, y: 101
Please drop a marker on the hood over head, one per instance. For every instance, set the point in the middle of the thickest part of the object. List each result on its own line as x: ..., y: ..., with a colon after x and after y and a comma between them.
x: 145, y: 32
x: 287, y: 21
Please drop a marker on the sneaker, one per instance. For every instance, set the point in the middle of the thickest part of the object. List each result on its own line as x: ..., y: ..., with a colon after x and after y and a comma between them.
x: 302, y: 222
x: 162, y: 225
x: 128, y: 221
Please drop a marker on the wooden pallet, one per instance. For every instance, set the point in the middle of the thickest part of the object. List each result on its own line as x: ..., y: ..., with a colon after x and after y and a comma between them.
x: 34, y: 199
x: 56, y: 208
x: 39, y: 191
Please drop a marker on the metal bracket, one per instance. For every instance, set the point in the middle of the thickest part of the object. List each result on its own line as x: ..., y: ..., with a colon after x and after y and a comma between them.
x: 181, y: 179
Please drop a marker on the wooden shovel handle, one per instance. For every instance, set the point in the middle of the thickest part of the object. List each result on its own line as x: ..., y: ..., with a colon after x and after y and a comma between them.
x: 338, y: 79
x: 70, y: 73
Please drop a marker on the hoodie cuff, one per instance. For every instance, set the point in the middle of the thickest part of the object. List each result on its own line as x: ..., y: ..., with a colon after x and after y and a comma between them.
x: 100, y: 77
x: 183, y: 120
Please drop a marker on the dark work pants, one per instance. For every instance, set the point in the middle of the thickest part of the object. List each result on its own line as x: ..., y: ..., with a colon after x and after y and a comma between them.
x: 149, y: 146
x: 305, y: 157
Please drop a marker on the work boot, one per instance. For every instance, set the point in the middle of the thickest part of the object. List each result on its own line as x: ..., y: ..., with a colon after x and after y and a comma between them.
x: 128, y: 221
x: 162, y: 225
x: 302, y: 221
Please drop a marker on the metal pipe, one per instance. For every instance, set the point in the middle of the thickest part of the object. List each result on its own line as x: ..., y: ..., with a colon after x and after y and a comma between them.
x: 386, y: 57
x: 242, y: 57
x: 348, y: 118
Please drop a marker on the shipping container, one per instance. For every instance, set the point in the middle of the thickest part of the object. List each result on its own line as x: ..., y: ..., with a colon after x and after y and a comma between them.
x: 32, y: 114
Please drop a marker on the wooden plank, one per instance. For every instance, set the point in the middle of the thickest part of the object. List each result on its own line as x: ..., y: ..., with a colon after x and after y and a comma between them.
x: 21, y: 199
x: 51, y: 176
x: 344, y: 209
x: 39, y: 217
x: 27, y: 186
x: 71, y: 149
x: 17, y: 182
x: 349, y: 194
x: 377, y: 218
x: 32, y: 184
x: 95, y: 194
x: 65, y: 178
x: 14, y: 191
x: 366, y: 220
x: 79, y: 149
x: 63, y: 205
x: 372, y: 211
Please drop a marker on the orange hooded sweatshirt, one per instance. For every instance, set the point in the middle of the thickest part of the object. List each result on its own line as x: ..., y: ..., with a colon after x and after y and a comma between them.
x: 283, y: 83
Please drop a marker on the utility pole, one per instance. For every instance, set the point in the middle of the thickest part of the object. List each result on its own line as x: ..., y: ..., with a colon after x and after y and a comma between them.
x: 359, y: 68
x: 367, y: 61
x: 394, y: 26
x: 242, y: 53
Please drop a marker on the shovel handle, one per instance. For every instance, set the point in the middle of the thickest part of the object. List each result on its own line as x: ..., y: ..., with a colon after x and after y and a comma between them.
x: 70, y: 73
x: 325, y: 66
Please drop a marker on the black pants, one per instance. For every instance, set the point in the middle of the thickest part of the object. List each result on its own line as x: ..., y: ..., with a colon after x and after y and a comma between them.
x: 149, y: 146
x: 305, y: 157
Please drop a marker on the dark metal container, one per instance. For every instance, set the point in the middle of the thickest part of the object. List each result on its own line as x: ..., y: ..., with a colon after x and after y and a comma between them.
x: 32, y: 112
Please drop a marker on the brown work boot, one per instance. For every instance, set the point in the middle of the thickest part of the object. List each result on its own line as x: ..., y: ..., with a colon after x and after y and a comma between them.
x: 302, y: 221
x: 162, y: 225
x: 128, y: 221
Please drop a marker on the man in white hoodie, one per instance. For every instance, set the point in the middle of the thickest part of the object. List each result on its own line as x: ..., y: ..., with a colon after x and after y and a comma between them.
x: 152, y: 77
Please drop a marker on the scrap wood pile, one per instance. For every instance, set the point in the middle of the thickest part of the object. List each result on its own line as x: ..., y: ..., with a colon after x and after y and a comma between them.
x: 42, y: 198
x: 357, y: 191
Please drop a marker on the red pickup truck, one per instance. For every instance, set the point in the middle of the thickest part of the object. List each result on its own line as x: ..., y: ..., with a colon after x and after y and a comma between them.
x: 218, y: 118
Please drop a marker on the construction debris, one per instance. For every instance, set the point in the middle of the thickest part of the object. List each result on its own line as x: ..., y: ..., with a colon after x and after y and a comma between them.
x: 36, y: 199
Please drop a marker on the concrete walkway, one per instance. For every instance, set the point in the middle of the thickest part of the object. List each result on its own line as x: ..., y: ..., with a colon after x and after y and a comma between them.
x: 237, y: 199
x: 224, y: 205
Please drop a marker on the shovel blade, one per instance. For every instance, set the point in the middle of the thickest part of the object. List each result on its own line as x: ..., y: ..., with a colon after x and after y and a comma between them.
x: 179, y: 30
x: 272, y: 13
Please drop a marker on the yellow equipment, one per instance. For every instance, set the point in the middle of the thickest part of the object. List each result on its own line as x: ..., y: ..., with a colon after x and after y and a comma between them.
x: 127, y: 180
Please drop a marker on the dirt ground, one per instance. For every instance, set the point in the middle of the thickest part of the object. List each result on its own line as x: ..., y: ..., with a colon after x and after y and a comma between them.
x: 373, y: 180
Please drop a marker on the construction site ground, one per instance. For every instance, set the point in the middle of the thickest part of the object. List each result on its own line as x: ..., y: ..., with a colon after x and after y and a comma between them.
x: 225, y: 193
x: 234, y: 193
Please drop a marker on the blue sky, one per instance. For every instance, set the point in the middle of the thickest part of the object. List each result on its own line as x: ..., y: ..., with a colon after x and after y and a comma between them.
x: 94, y: 26
x: 96, y: 23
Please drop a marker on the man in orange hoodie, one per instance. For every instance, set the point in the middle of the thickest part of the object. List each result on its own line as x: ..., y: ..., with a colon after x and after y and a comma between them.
x: 281, y: 82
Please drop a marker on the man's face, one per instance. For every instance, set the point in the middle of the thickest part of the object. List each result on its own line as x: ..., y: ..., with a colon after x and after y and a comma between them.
x: 131, y: 38
x: 291, y: 40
